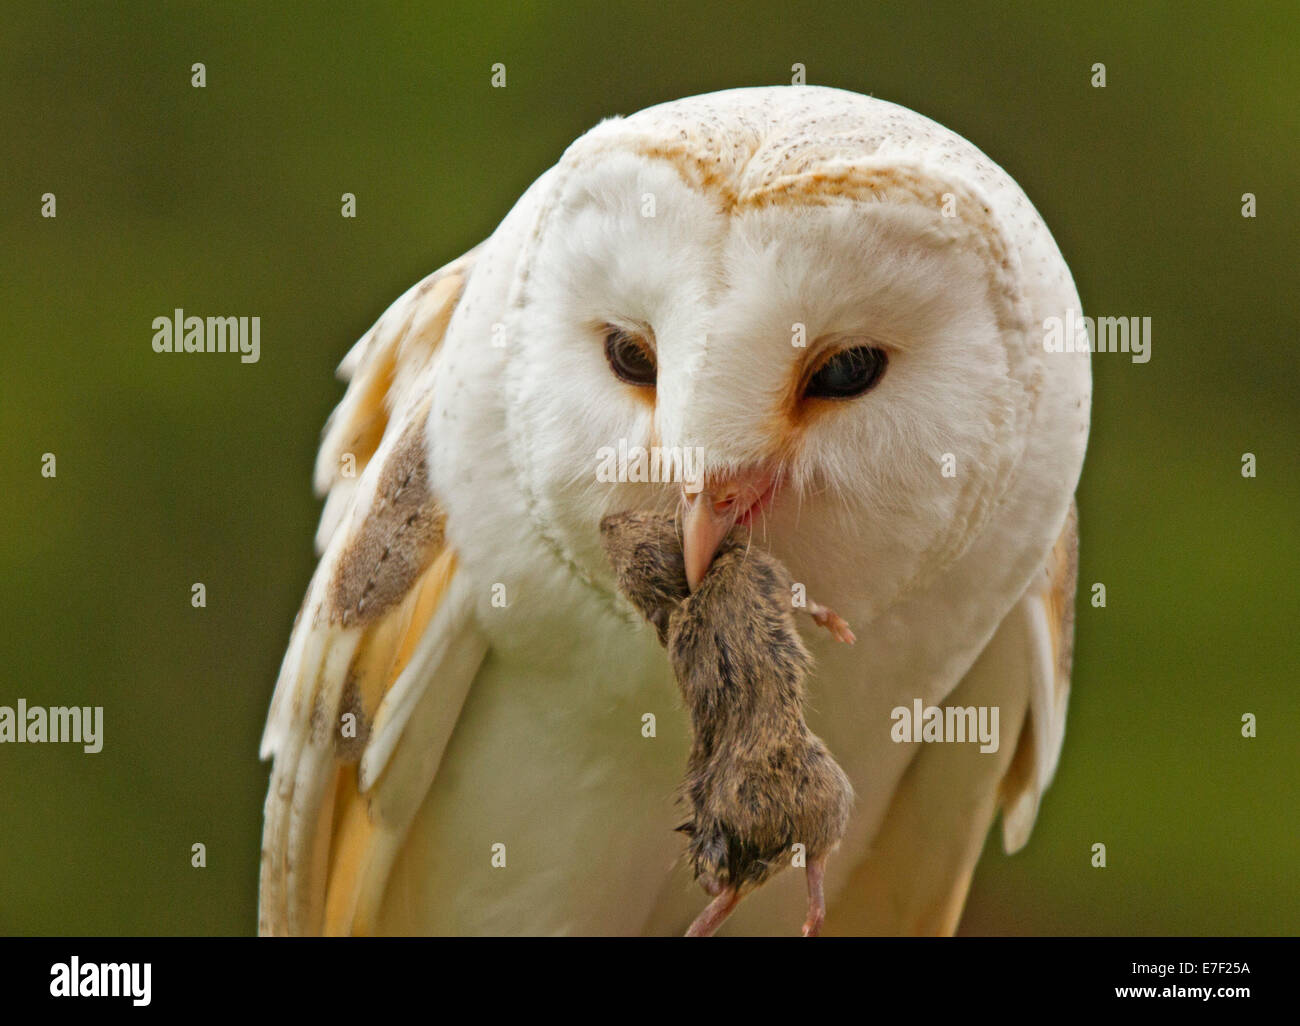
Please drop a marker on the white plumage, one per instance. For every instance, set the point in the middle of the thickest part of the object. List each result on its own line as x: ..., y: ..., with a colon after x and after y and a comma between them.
x: 708, y: 228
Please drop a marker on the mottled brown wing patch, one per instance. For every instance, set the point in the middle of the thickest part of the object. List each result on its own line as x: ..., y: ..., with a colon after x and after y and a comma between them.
x: 395, y: 543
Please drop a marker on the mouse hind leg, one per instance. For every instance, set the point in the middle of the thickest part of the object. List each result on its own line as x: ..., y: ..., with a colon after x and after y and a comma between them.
x: 715, y: 914
x: 816, y: 897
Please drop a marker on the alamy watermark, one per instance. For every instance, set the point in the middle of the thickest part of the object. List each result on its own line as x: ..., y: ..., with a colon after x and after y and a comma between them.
x: 59, y: 724
x: 1073, y: 334
x: 651, y: 464
x: 181, y: 334
x: 954, y: 724
x: 78, y: 979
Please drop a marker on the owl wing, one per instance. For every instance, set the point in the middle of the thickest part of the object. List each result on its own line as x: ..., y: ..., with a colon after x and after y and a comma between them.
x: 915, y: 877
x: 1050, y: 637
x: 384, y: 647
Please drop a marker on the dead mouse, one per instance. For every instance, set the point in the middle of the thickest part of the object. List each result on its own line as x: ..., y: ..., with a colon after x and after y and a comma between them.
x: 758, y: 780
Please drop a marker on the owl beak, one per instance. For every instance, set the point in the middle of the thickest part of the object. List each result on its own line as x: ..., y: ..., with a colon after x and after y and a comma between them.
x: 713, y: 511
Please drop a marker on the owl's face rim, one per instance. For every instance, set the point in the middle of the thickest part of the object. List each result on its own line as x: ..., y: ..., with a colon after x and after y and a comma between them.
x: 567, y: 510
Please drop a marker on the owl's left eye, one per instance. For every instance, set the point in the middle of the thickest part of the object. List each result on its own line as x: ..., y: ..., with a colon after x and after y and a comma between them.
x: 630, y: 357
x: 847, y: 374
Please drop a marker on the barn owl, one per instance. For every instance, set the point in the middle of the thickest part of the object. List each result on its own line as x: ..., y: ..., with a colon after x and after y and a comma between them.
x: 838, y: 304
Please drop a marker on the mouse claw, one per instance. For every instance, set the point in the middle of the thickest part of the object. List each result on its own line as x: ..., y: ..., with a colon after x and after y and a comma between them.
x: 841, y: 630
x: 834, y: 623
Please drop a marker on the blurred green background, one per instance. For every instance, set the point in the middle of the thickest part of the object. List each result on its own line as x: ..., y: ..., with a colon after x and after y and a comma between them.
x: 226, y: 200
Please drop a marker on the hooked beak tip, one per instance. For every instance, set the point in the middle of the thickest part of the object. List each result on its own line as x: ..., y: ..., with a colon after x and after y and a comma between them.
x: 703, y: 529
x: 713, y: 508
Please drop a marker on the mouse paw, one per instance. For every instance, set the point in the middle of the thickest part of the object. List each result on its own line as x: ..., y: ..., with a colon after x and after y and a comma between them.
x: 834, y: 623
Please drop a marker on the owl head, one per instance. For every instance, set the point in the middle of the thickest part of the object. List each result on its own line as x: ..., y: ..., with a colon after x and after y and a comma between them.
x: 816, y: 313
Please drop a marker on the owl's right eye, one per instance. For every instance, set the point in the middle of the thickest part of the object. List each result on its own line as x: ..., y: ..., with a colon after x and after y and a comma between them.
x: 847, y: 374
x: 630, y: 357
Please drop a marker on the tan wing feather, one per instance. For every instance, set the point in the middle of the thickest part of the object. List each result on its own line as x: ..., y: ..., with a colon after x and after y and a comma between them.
x: 384, y: 368
x: 1039, y: 746
x: 379, y: 621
